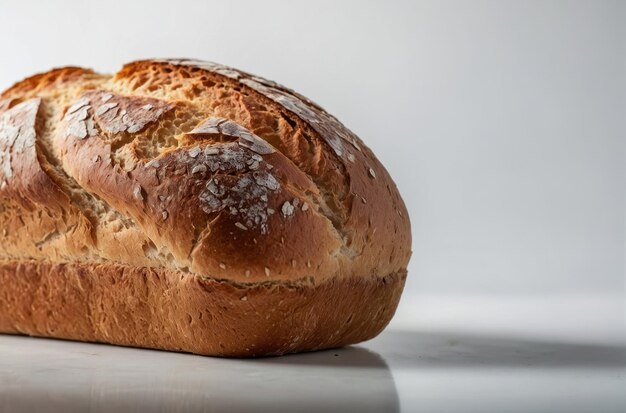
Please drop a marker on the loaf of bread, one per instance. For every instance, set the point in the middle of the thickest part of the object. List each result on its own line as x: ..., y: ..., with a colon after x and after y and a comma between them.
x: 184, y: 205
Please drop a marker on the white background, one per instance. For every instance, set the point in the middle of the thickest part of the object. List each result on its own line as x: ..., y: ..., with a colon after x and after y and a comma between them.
x: 501, y: 122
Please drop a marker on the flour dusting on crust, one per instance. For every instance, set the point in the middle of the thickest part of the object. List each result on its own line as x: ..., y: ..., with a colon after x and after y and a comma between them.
x: 221, y: 126
x: 17, y: 133
x: 112, y: 113
x: 234, y: 179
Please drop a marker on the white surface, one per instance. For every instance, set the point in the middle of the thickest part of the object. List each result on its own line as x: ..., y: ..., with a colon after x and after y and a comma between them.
x: 439, y: 355
x: 502, y: 122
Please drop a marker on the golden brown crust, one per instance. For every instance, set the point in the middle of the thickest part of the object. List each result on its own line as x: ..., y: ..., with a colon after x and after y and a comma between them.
x: 52, y: 79
x: 356, y: 194
x: 195, y: 169
x: 163, y: 309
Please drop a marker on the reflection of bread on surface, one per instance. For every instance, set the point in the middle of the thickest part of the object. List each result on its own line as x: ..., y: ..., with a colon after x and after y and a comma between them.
x: 350, y: 378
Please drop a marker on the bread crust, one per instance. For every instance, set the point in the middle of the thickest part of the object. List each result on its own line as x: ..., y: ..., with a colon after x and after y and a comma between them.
x: 163, y: 309
x: 195, y: 171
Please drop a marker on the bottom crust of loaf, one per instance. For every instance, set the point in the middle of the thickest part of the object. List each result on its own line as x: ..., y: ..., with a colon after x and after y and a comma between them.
x: 169, y: 310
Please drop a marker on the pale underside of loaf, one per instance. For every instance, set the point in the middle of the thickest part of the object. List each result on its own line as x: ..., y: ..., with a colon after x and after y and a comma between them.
x: 196, y: 169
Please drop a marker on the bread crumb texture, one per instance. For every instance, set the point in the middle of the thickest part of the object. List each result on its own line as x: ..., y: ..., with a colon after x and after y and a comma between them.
x: 194, y: 167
